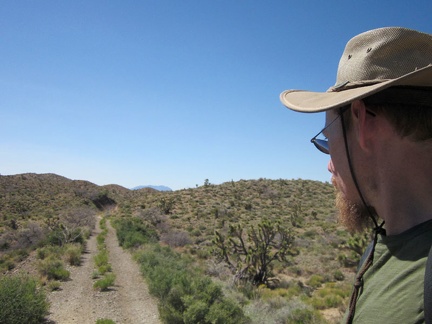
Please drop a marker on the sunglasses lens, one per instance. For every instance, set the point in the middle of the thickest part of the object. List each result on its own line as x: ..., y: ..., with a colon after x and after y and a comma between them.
x: 321, y: 145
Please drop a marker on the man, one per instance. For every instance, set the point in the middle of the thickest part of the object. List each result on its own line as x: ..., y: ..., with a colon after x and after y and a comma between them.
x: 379, y: 137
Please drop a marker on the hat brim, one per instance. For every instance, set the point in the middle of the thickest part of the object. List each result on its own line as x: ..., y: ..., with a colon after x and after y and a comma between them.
x: 310, y: 102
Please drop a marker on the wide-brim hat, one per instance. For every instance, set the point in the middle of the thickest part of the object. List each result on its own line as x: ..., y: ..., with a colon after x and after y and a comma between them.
x: 371, y: 62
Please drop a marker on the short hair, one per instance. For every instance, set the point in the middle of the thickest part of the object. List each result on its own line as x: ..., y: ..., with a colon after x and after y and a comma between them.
x: 408, y: 109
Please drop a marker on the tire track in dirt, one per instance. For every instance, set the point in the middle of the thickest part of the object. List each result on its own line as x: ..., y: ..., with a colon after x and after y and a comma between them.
x: 128, y: 302
x: 134, y: 301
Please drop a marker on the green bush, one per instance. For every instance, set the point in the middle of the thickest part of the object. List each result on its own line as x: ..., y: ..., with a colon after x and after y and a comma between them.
x: 225, y: 312
x: 332, y: 295
x: 22, y: 301
x: 186, y: 296
x: 100, y: 239
x: 6, y: 264
x: 73, y: 254
x: 132, y: 232
x: 101, y: 258
x: 47, y: 251
x: 315, y: 281
x: 104, y: 321
x: 195, y: 313
x: 42, y: 253
x: 95, y: 274
x: 55, y: 237
x: 333, y: 301
x: 104, y: 269
x: 53, y: 285
x: 103, y: 223
x: 301, y: 316
x: 338, y: 275
x: 106, y: 282
x: 53, y: 269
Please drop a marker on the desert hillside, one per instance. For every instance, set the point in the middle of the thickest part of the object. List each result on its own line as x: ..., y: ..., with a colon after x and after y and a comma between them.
x: 40, y: 210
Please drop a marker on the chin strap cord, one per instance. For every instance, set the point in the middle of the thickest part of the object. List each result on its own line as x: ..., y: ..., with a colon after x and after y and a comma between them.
x: 378, y: 229
x: 427, y: 300
x: 358, y: 283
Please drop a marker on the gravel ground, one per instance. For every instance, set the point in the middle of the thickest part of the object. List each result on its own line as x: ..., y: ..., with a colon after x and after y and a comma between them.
x: 127, y: 302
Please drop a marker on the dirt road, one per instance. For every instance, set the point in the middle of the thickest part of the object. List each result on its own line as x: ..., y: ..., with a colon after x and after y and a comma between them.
x: 128, y: 302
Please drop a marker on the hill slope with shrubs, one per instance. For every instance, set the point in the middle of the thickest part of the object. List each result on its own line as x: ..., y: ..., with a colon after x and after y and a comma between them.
x: 37, y: 207
x: 190, y: 217
x: 311, y: 285
x: 314, y: 282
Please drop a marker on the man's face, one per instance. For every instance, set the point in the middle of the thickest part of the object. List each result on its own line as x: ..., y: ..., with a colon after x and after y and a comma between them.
x: 352, y: 212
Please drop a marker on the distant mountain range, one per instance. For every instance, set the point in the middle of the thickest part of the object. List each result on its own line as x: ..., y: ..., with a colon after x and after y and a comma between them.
x: 159, y: 188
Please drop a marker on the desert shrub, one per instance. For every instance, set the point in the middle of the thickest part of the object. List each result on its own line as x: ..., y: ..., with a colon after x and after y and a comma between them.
x: 135, y: 239
x: 9, y: 260
x: 338, y: 275
x: 104, y: 321
x: 100, y: 239
x: 20, y: 255
x: 42, y: 253
x: 53, y: 285
x: 6, y: 264
x: 106, y: 282
x: 30, y: 236
x: 274, y: 295
x: 332, y: 295
x: 102, y: 223
x: 295, y: 270
x: 47, y: 251
x: 203, y: 253
x: 186, y: 296
x: 225, y: 312
x: 101, y: 258
x: 5, y: 241
x: 176, y: 239
x: 287, y: 312
x: 196, y: 232
x: 153, y: 215
x: 22, y: 301
x: 132, y: 232
x: 315, y: 281
x: 55, y: 237
x: 310, y: 233
x: 305, y: 315
x: 330, y: 301
x: 71, y: 225
x: 95, y: 274
x: 58, y: 236
x: 73, y: 254
x: 196, y: 312
x: 104, y: 269
x: 53, y: 268
x: 248, y: 290
x: 86, y: 233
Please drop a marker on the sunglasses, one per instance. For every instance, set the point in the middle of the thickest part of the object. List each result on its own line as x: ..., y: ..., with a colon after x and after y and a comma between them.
x: 322, y: 144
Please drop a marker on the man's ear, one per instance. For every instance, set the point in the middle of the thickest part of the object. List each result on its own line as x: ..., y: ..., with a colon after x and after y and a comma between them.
x: 363, y: 124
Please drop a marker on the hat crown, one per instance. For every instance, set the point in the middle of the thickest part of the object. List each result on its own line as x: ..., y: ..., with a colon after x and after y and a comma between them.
x: 372, y: 62
x: 383, y: 54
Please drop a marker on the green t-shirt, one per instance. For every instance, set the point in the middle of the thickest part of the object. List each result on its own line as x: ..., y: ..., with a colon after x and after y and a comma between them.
x: 393, y: 286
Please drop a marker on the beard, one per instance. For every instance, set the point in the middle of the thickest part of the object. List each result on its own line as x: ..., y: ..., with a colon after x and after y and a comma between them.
x: 354, y: 216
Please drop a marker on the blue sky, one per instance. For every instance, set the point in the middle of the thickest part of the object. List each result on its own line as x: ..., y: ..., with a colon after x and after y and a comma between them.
x: 173, y: 92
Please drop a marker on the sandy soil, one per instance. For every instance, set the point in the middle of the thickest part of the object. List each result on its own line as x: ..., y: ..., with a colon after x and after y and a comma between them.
x: 127, y: 302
